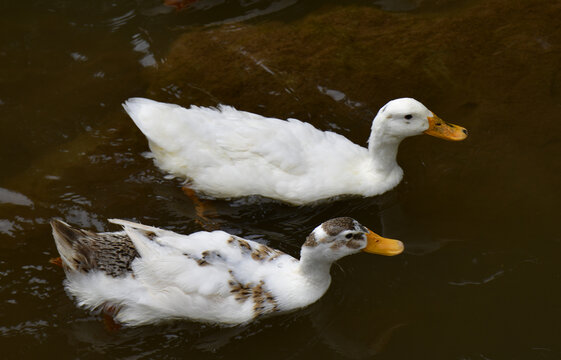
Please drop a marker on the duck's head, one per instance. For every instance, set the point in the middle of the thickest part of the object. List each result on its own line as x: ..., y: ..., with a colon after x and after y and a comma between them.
x: 343, y: 236
x: 405, y: 117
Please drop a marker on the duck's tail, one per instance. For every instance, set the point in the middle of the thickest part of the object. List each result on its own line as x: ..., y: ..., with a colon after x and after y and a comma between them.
x: 73, y: 257
x: 170, y: 126
x: 153, y: 117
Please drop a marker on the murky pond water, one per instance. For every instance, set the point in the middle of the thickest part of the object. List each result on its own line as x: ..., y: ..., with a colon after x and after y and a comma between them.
x: 480, y: 277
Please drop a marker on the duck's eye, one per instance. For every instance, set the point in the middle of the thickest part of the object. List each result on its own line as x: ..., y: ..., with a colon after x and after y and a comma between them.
x: 349, y: 235
x: 409, y: 116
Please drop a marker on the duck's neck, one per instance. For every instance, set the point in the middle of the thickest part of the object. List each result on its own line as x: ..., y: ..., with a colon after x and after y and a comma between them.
x: 316, y: 271
x: 383, y: 151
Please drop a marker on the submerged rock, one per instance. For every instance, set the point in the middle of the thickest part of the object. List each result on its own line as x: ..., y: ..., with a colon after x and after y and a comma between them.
x: 483, y: 52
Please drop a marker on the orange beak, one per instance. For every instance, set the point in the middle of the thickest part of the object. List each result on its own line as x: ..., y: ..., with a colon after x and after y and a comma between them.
x: 441, y: 129
x: 377, y: 244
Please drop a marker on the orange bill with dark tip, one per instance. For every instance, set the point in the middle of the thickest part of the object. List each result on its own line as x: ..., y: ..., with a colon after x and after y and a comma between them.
x: 441, y: 129
x: 377, y: 244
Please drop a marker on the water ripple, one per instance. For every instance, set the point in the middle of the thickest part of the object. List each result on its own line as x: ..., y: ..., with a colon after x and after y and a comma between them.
x: 253, y: 13
x: 339, y: 96
x: 28, y: 328
x: 485, y: 280
x: 118, y: 22
x: 9, y: 228
x: 14, y: 198
x: 142, y: 46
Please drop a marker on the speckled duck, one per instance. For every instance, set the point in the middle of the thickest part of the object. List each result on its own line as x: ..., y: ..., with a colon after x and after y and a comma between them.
x: 145, y: 275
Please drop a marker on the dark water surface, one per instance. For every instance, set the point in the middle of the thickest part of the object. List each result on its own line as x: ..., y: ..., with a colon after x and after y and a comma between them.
x: 480, y: 277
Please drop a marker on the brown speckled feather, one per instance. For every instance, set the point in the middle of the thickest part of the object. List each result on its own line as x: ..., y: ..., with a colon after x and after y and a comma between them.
x: 83, y: 250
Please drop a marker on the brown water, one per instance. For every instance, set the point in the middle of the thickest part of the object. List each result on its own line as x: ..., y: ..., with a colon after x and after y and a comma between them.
x: 480, y: 277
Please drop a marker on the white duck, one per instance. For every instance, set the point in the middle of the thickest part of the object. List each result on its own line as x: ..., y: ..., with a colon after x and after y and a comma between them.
x: 145, y: 275
x: 226, y: 153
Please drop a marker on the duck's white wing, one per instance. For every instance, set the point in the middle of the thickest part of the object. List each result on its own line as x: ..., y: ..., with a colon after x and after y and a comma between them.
x: 203, y: 139
x: 169, y: 260
x: 210, y: 276
x: 164, y: 267
x: 275, y: 143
